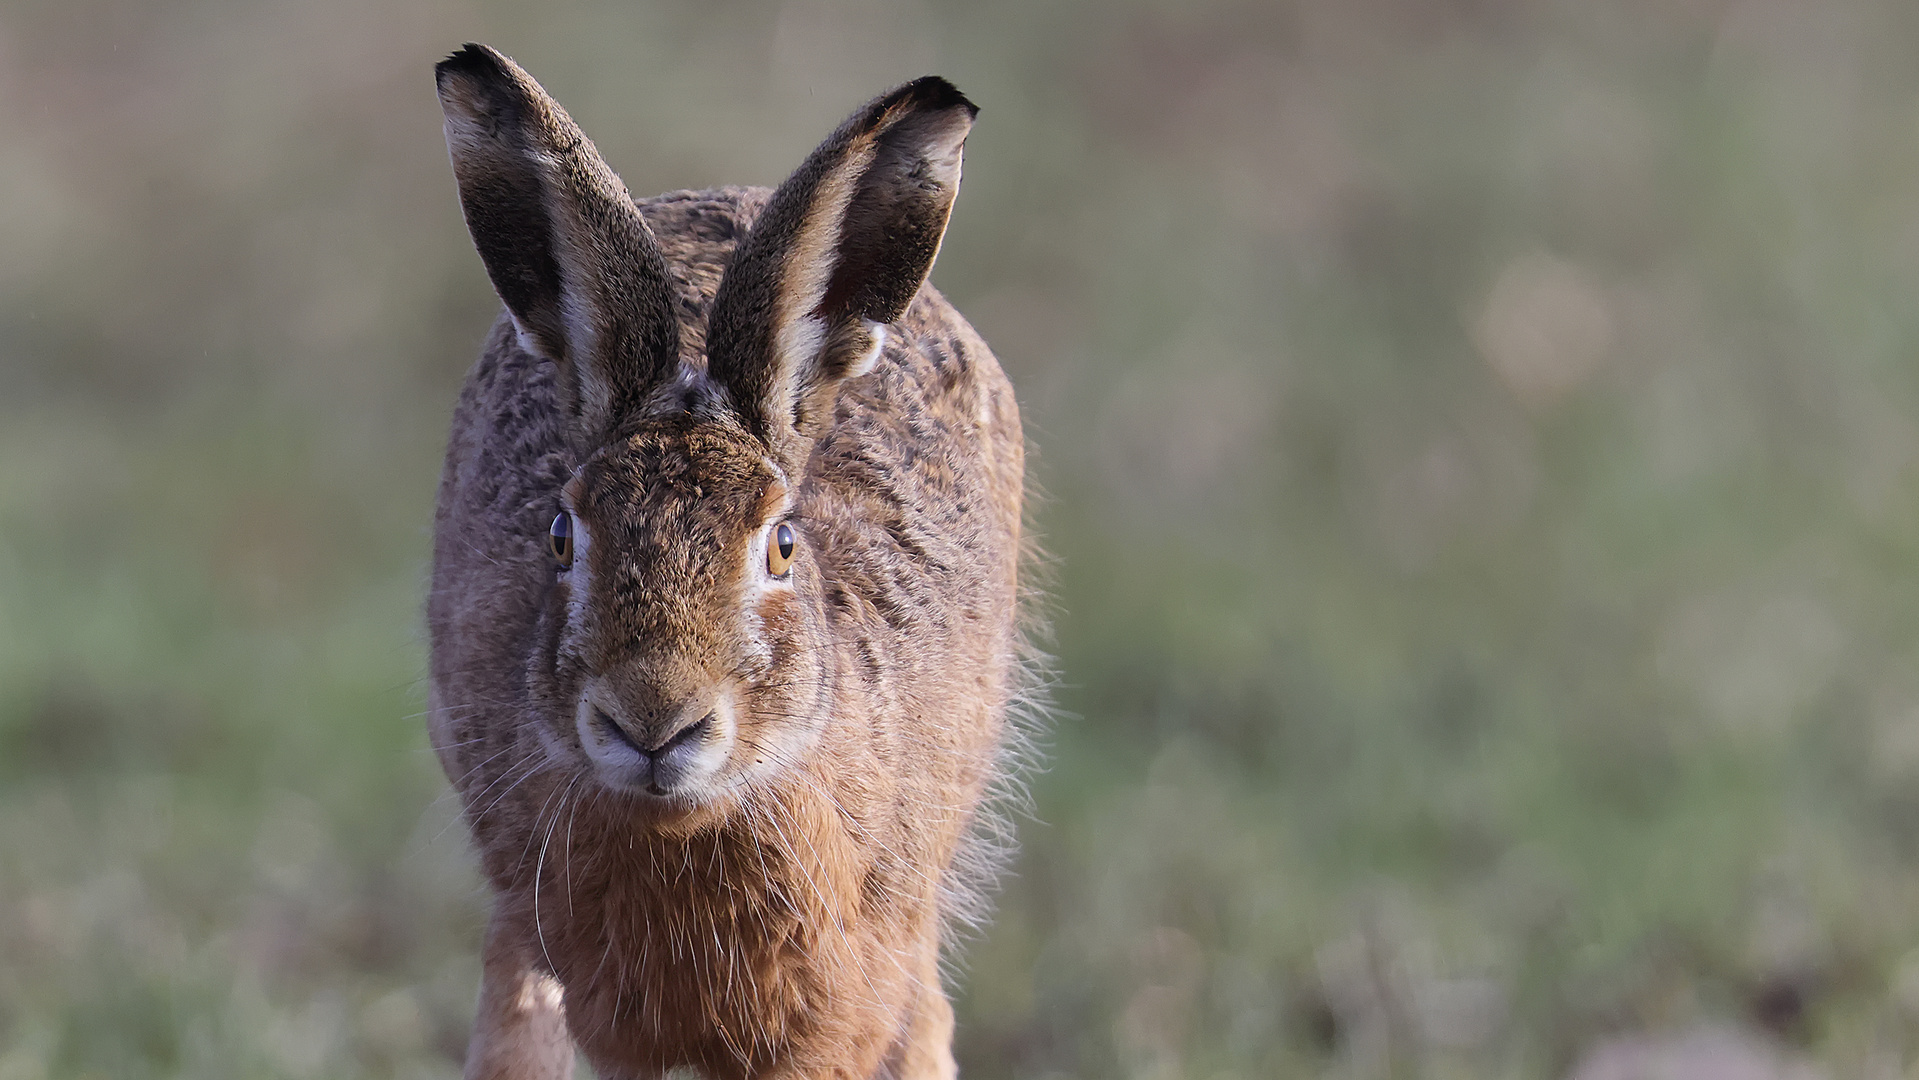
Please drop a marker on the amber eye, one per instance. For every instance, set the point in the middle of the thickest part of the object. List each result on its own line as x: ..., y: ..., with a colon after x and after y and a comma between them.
x: 781, y: 545
x: 559, y: 539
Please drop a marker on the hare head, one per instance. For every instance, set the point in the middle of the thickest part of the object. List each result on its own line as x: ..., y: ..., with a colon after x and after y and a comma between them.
x: 678, y: 653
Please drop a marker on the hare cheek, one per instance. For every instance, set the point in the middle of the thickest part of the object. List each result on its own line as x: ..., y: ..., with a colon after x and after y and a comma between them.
x: 767, y: 605
x: 755, y: 650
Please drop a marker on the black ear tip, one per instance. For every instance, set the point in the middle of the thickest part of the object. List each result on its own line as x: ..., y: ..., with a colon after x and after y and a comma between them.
x: 934, y: 93
x: 473, y: 60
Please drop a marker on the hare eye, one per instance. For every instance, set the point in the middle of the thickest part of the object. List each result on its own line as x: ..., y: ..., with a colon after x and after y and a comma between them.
x: 781, y: 546
x: 559, y: 539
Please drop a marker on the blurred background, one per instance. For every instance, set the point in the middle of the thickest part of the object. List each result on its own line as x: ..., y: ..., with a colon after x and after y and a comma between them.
x: 1481, y: 451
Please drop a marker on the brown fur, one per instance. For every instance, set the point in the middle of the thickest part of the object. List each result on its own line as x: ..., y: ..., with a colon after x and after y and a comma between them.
x: 779, y: 915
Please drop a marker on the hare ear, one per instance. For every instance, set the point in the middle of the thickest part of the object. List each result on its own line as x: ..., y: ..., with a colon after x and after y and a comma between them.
x: 839, y: 251
x: 567, y: 250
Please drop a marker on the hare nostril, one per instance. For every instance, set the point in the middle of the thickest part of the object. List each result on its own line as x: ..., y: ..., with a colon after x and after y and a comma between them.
x: 611, y: 728
x: 688, y: 734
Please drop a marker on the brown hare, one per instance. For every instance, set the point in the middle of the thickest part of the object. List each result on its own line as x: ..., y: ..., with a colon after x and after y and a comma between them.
x: 724, y: 599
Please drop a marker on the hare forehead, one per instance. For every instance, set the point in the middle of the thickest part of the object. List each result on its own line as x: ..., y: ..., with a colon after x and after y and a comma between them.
x: 688, y: 476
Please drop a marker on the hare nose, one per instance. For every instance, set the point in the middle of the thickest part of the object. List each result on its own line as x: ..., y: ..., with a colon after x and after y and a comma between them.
x: 647, y: 708
x: 663, y: 740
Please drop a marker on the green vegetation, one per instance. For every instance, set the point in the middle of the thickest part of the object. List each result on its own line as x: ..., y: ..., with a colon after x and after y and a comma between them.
x: 1481, y: 445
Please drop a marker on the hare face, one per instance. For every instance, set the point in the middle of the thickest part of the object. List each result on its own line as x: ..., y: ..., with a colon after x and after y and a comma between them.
x: 679, y: 662
x: 679, y: 655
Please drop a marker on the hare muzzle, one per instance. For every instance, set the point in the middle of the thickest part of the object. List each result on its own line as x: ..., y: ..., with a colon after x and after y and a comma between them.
x: 662, y: 753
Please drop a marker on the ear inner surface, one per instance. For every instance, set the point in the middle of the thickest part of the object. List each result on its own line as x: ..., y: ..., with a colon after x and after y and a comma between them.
x: 566, y: 248
x: 904, y: 199
x: 841, y: 249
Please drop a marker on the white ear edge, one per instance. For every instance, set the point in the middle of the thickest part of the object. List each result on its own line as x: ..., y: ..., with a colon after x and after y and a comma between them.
x: 865, y: 363
x: 582, y: 334
x: 799, y: 345
x: 801, y: 341
x: 796, y: 347
x: 528, y: 343
x: 464, y: 132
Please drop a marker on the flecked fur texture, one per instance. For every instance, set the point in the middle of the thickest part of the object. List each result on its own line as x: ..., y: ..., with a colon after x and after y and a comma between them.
x: 727, y: 814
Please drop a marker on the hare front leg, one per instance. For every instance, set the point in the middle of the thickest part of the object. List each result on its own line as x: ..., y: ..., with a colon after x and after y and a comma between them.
x: 915, y: 1046
x: 928, y: 1038
x: 921, y: 1042
x: 519, y: 1032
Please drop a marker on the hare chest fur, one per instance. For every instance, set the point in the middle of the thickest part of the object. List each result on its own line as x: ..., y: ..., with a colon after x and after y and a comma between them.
x: 723, y: 612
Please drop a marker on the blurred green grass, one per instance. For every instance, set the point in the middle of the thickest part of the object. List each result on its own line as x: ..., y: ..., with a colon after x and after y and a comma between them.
x: 1480, y: 447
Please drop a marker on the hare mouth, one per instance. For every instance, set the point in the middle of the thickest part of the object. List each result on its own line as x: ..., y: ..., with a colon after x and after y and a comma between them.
x: 677, y: 764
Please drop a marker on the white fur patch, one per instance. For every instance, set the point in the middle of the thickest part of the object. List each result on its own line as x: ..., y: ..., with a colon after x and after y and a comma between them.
x: 800, y: 342
x: 582, y: 329
x: 465, y: 134
x: 865, y: 363
x: 541, y: 993
x: 528, y: 343
x: 796, y: 349
x: 578, y: 579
